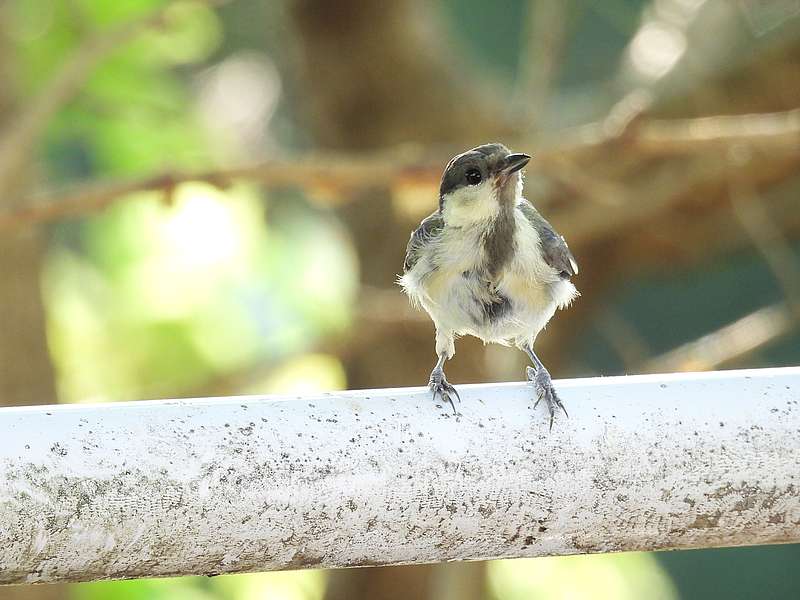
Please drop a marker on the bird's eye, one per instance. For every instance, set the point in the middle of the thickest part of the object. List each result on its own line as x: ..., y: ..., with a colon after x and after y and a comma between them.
x: 473, y: 177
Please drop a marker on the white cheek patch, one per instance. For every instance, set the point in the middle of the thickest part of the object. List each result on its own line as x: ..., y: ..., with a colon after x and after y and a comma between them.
x: 470, y: 205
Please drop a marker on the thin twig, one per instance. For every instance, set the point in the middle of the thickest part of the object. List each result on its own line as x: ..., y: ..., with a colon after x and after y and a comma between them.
x: 545, y: 33
x: 729, y: 343
x: 769, y: 241
x: 623, y: 337
x: 777, y: 130
x: 692, y: 184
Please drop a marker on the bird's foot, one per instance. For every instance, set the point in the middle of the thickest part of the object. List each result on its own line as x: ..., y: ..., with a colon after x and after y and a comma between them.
x: 540, y: 378
x: 439, y: 386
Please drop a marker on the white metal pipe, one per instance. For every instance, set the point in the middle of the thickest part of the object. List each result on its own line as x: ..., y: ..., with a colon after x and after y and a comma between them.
x: 385, y: 476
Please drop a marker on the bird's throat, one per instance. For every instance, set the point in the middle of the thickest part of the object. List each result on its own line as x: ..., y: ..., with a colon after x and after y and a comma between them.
x: 499, y: 241
x: 507, y: 189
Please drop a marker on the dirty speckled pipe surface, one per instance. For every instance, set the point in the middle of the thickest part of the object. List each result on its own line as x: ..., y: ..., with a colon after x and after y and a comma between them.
x: 381, y: 477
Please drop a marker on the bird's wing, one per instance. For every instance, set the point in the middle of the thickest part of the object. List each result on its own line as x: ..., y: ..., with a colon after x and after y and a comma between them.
x: 428, y: 230
x: 554, y: 248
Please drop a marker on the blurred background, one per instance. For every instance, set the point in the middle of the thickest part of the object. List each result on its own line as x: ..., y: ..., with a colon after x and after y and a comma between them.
x: 213, y: 198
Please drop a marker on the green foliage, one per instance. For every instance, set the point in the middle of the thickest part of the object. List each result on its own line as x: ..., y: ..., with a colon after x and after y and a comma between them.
x: 631, y: 575
x: 262, y: 586
x: 134, y: 113
x: 149, y: 299
x: 200, y: 288
x: 183, y: 588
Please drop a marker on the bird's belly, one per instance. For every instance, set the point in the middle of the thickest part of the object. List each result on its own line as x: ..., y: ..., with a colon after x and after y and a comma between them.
x: 513, y: 311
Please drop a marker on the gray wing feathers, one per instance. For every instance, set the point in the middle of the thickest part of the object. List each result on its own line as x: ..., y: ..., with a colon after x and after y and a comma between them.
x: 430, y: 227
x: 554, y: 248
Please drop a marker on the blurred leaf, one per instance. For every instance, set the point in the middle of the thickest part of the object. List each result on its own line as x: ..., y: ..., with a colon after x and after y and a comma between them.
x: 287, y: 585
x: 195, y: 289
x: 304, y: 374
x: 193, y: 33
x: 105, y: 14
x: 176, y: 588
x: 630, y: 575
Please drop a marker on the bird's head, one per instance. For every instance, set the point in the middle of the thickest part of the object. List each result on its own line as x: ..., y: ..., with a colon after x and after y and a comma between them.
x: 479, y: 183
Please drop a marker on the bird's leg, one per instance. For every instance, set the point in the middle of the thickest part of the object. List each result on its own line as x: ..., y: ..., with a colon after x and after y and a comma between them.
x: 540, y: 378
x: 438, y: 384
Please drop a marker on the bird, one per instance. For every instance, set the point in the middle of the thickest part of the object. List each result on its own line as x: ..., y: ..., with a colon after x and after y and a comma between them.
x: 488, y: 264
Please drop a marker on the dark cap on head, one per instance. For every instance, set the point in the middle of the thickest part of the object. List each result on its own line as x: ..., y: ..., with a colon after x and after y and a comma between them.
x: 473, y: 166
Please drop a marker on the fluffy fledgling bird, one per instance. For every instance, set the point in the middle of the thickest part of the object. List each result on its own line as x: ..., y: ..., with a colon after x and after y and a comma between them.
x: 488, y: 264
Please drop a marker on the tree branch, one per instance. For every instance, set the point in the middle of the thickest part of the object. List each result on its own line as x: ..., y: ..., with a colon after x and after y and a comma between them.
x: 775, y: 130
x: 334, y: 174
x: 326, y: 175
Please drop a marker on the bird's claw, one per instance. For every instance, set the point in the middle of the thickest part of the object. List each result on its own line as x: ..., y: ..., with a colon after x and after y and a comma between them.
x: 439, y: 385
x: 540, y: 378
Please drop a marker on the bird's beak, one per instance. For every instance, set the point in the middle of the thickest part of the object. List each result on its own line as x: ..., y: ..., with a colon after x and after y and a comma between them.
x: 514, y: 162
